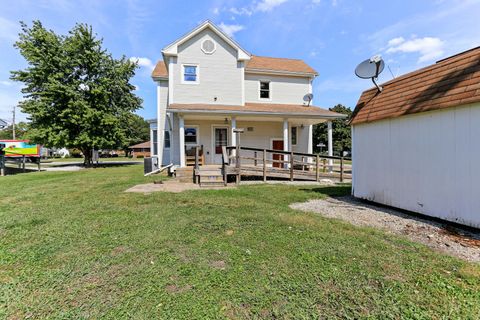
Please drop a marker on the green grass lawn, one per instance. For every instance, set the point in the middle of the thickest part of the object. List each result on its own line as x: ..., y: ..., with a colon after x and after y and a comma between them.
x: 74, y: 245
x: 53, y: 160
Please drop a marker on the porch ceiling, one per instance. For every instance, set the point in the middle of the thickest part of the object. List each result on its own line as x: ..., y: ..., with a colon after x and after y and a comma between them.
x: 221, y: 118
x: 256, y: 112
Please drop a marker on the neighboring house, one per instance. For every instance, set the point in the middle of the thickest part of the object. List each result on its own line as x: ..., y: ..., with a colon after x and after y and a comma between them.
x: 141, y: 149
x: 207, y: 85
x: 3, y: 124
x: 416, y: 144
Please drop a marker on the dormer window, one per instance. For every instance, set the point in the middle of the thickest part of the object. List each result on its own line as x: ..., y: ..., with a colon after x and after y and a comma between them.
x: 190, y: 74
x: 264, y: 90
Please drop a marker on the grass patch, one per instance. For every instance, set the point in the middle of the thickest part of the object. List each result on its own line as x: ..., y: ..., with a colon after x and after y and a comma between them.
x: 74, y: 245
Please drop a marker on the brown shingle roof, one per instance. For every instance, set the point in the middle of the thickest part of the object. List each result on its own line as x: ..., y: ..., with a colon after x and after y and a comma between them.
x: 450, y: 82
x: 278, y: 64
x: 143, y: 145
x: 160, y: 70
x: 255, y: 63
x: 259, y: 108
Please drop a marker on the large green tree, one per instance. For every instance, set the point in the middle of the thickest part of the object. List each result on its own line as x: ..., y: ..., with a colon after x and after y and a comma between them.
x: 342, y: 140
x: 76, y: 93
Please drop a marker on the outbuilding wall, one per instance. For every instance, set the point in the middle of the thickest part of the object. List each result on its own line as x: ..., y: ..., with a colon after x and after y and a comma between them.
x: 426, y: 163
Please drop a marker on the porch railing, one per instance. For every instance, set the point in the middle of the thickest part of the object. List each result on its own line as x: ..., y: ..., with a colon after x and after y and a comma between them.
x: 285, y: 164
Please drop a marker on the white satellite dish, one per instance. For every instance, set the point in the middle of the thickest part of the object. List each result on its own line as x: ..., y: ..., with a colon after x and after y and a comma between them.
x: 370, y: 69
x: 308, y: 98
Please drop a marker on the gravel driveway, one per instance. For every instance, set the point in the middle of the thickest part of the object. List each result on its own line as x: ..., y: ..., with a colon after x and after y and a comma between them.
x: 462, y: 243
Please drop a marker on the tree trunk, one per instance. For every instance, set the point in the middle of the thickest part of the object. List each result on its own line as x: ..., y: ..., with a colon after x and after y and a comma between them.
x: 87, y: 157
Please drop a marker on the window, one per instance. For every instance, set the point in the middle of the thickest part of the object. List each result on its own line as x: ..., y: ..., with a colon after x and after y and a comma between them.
x: 208, y: 46
x: 155, y: 145
x: 293, y: 132
x: 167, y: 140
x: 191, y: 134
x: 190, y: 74
x: 264, y: 90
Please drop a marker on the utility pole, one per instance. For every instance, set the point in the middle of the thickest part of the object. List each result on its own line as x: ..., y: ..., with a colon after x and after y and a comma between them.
x: 13, y: 123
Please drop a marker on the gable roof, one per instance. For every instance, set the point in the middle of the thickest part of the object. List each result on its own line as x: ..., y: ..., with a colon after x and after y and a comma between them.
x: 172, y: 48
x: 265, y: 64
x: 142, y: 145
x: 450, y: 82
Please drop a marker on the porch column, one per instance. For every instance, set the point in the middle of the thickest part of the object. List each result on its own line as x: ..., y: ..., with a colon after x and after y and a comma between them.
x: 310, y: 139
x: 232, y: 133
x: 285, y: 140
x: 181, y: 134
x: 330, y: 145
x: 161, y: 119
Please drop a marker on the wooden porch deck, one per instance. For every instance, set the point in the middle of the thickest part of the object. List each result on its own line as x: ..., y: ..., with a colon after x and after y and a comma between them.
x: 267, y: 163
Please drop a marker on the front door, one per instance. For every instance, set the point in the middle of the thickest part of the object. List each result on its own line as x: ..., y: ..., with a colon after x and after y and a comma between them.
x: 220, y: 135
x: 277, y: 145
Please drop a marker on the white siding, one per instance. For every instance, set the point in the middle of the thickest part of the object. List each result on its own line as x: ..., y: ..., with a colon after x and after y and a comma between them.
x: 426, y: 163
x: 286, y: 90
x: 220, y: 74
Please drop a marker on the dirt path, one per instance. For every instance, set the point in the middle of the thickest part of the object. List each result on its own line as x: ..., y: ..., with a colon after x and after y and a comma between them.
x: 461, y: 243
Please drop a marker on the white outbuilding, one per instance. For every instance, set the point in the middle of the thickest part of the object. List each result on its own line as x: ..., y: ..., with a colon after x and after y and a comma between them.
x: 416, y: 144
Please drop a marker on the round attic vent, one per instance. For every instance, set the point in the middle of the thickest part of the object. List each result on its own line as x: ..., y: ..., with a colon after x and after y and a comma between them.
x: 208, y: 46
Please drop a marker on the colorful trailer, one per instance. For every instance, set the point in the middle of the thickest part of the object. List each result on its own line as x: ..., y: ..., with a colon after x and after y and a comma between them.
x: 20, y: 148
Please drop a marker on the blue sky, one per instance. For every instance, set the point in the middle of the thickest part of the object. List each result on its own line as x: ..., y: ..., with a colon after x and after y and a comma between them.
x: 333, y: 36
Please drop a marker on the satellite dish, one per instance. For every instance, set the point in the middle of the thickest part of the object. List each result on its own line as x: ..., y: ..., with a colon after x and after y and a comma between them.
x: 308, y: 98
x: 370, y: 69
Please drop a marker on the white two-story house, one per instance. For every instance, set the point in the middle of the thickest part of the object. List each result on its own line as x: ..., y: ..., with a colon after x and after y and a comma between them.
x: 207, y: 86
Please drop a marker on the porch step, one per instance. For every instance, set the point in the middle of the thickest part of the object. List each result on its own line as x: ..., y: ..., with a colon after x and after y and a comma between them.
x: 203, y: 173
x: 212, y: 183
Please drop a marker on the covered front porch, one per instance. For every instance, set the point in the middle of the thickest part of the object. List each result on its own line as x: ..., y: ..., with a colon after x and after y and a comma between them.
x: 212, y: 132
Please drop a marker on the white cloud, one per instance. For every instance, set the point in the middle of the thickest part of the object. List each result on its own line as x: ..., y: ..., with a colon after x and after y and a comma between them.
x: 429, y: 48
x: 241, y: 11
x: 6, y: 83
x: 262, y: 6
x: 216, y: 11
x: 316, y: 1
x: 9, y: 30
x: 231, y: 29
x: 268, y: 5
x: 143, y: 62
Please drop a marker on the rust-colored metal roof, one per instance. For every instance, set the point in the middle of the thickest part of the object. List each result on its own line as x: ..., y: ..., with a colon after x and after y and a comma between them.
x: 143, y: 145
x: 258, y: 108
x: 160, y: 70
x: 278, y: 65
x: 256, y: 63
x: 451, y: 82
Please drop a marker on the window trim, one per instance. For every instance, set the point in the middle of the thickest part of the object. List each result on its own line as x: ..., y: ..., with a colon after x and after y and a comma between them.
x: 182, y: 75
x: 269, y: 90
x: 197, y: 137
x: 291, y: 135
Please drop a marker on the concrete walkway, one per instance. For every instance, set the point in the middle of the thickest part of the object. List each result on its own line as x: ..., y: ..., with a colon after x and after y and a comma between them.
x: 172, y: 186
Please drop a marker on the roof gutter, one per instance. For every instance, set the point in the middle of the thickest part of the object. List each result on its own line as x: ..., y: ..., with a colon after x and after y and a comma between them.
x: 280, y: 72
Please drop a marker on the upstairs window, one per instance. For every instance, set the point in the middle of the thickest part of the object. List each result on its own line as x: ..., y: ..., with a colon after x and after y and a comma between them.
x: 264, y: 90
x: 190, y: 74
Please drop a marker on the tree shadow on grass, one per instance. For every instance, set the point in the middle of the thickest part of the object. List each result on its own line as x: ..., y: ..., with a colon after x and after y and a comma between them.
x: 332, y: 191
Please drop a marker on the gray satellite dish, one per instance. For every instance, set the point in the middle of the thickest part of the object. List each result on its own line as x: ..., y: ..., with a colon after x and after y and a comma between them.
x: 370, y: 69
x: 308, y: 98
